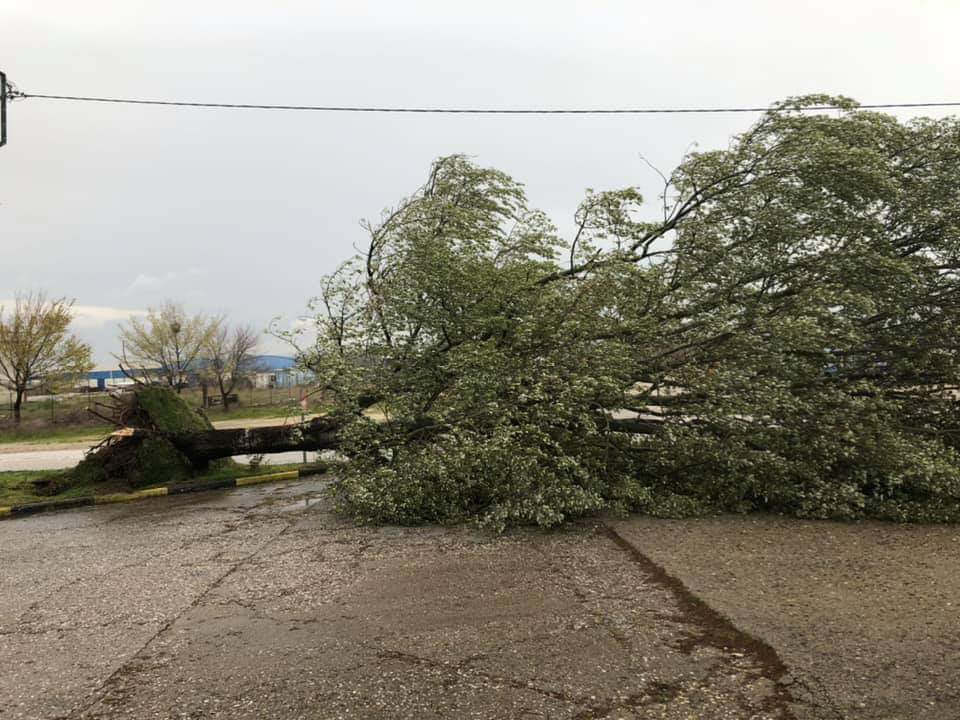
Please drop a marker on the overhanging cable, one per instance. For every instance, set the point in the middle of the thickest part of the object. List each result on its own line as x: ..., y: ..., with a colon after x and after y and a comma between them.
x: 19, y: 94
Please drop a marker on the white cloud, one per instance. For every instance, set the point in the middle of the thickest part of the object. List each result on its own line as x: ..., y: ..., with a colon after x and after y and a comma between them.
x: 91, y: 316
x: 144, y: 281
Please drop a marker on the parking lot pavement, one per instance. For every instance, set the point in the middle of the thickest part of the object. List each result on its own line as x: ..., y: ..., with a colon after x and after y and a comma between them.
x: 260, y: 603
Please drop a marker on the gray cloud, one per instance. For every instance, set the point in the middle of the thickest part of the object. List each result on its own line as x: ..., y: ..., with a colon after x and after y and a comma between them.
x: 113, y: 205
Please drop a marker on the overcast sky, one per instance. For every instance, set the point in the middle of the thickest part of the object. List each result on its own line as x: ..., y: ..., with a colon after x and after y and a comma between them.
x: 241, y: 212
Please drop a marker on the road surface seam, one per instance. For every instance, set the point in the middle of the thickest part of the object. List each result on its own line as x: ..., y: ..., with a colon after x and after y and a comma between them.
x: 716, y: 629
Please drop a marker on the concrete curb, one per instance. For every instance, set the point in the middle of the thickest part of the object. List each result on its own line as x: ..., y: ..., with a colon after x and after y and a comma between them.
x: 13, y: 511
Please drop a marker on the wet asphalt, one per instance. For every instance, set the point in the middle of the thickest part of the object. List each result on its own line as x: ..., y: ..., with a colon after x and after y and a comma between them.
x: 260, y: 602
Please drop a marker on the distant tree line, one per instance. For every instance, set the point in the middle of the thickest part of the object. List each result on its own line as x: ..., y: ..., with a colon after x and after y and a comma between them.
x: 37, y: 348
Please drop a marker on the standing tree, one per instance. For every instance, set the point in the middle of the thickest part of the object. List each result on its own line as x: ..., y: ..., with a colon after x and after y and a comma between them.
x: 35, y: 344
x: 167, y: 341
x: 227, y: 356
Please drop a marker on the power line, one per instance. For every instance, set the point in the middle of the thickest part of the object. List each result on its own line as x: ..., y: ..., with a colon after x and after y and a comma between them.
x: 18, y: 94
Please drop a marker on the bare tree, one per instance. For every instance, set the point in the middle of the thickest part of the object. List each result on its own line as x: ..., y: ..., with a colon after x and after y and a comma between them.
x: 228, y: 355
x: 35, y: 344
x: 166, y: 341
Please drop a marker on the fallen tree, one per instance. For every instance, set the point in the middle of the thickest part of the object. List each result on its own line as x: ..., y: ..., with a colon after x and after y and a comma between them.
x: 786, y: 331
x: 160, y: 438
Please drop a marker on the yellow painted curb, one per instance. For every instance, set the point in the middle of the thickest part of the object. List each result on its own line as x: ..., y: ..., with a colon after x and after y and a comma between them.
x: 152, y: 492
x: 8, y: 511
x: 254, y: 480
x: 128, y: 497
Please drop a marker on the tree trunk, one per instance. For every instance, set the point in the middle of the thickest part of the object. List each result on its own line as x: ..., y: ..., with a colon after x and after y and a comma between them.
x: 636, y: 426
x: 17, y: 404
x: 318, y: 434
x: 223, y: 397
x: 202, y: 447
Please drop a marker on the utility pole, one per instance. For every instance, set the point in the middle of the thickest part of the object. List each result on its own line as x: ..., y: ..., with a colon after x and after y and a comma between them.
x: 3, y: 108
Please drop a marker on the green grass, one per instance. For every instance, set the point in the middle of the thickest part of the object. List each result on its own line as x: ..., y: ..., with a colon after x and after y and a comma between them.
x: 257, y: 411
x: 15, y: 488
x: 54, y: 434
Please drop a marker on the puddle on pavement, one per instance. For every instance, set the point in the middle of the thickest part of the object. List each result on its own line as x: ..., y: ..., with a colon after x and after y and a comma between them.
x: 294, y: 497
x: 301, y: 504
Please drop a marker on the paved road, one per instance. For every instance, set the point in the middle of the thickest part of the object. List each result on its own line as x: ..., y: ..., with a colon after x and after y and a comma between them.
x: 260, y: 603
x: 59, y: 459
x: 41, y: 459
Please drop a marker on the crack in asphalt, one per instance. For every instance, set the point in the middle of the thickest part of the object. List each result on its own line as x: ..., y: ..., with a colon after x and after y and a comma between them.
x: 228, y: 527
x: 73, y: 628
x: 102, y: 690
x: 457, y: 670
x: 655, y: 692
x: 691, y: 612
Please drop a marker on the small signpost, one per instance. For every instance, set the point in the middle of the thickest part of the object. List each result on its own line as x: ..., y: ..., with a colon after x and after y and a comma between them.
x: 303, y: 417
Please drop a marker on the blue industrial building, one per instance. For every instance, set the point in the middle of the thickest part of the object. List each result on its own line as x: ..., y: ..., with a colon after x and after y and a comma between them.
x: 276, y: 371
x: 106, y: 378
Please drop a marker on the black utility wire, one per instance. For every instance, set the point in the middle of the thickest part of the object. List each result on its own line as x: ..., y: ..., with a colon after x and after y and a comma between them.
x: 469, y: 111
